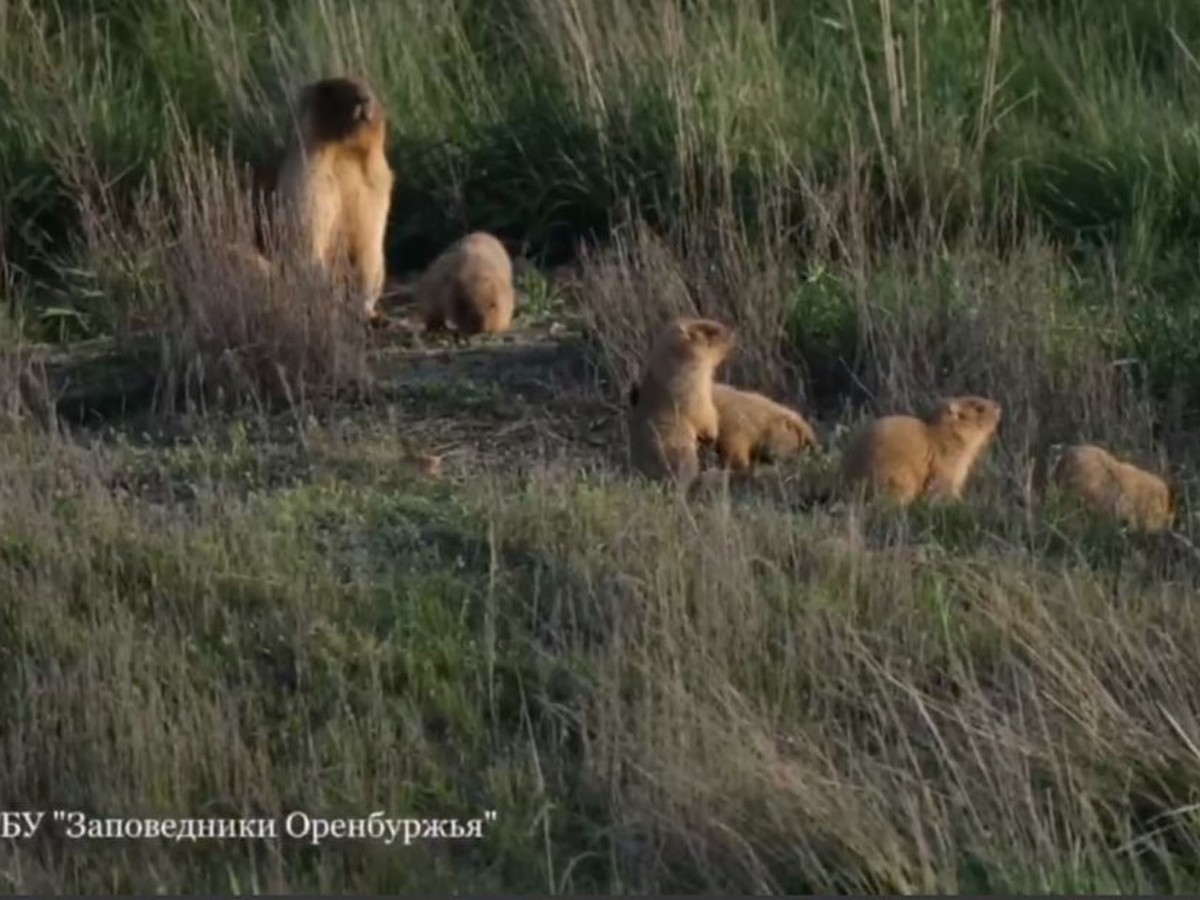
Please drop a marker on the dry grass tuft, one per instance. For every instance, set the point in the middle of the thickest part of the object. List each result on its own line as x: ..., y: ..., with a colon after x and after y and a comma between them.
x: 235, y: 325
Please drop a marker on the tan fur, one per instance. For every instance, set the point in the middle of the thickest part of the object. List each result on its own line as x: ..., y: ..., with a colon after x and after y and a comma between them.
x: 336, y: 180
x: 672, y: 409
x: 469, y: 286
x: 906, y: 457
x: 1116, y: 488
x: 753, y: 428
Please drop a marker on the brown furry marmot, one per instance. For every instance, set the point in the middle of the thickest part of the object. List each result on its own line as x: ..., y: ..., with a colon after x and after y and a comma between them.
x: 754, y: 428
x: 906, y: 457
x: 337, y: 182
x: 469, y: 286
x: 1115, y: 488
x: 671, y: 408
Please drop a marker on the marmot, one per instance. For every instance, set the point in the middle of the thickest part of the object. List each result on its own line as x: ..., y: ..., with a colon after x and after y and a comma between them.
x: 754, y: 428
x: 336, y: 180
x: 672, y: 409
x: 906, y: 457
x: 1116, y: 488
x: 469, y: 286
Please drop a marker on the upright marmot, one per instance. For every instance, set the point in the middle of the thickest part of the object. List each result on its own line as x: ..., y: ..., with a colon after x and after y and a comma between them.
x: 335, y: 179
x: 754, y: 428
x: 672, y: 407
x: 1115, y: 488
x: 906, y: 457
x: 469, y: 286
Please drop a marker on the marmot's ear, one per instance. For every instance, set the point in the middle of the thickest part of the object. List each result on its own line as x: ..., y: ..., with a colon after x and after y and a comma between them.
x: 711, y: 331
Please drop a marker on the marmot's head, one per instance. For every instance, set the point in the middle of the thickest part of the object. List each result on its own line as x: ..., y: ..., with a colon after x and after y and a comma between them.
x: 977, y: 416
x: 697, y: 341
x: 789, y: 436
x: 1154, y: 497
x: 806, y: 436
x: 335, y: 109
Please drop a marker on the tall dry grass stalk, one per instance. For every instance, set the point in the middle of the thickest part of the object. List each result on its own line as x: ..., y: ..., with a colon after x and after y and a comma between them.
x: 710, y: 267
x: 918, y: 320
x: 776, y: 705
x: 987, y: 100
x: 274, y: 330
x: 233, y: 325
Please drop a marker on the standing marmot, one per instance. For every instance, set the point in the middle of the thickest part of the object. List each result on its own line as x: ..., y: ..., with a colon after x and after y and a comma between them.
x: 469, y: 286
x: 336, y: 180
x: 672, y: 407
x: 1115, y: 488
x: 753, y: 428
x: 906, y: 457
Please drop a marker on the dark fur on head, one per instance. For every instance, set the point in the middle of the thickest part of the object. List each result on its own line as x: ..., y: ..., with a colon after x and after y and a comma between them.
x: 979, y: 410
x: 338, y: 108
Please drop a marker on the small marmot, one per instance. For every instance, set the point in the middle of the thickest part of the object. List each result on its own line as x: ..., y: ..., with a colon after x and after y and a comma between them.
x: 671, y: 408
x: 906, y: 457
x: 754, y: 428
x: 335, y: 179
x: 469, y: 286
x: 1119, y: 489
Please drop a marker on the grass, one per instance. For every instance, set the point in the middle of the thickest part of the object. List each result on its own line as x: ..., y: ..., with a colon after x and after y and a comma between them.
x: 244, y: 598
x: 544, y: 121
x: 822, y: 701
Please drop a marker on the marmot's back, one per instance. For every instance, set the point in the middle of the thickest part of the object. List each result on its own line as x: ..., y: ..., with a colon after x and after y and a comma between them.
x: 470, y: 286
x: 1116, y: 488
x: 892, y: 455
x: 752, y: 426
x: 906, y: 457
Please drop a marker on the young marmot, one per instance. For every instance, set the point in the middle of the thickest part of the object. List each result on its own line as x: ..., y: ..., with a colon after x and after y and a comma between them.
x: 906, y: 457
x: 754, y: 428
x: 469, y: 286
x: 1115, y: 488
x: 671, y: 407
x: 335, y: 179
